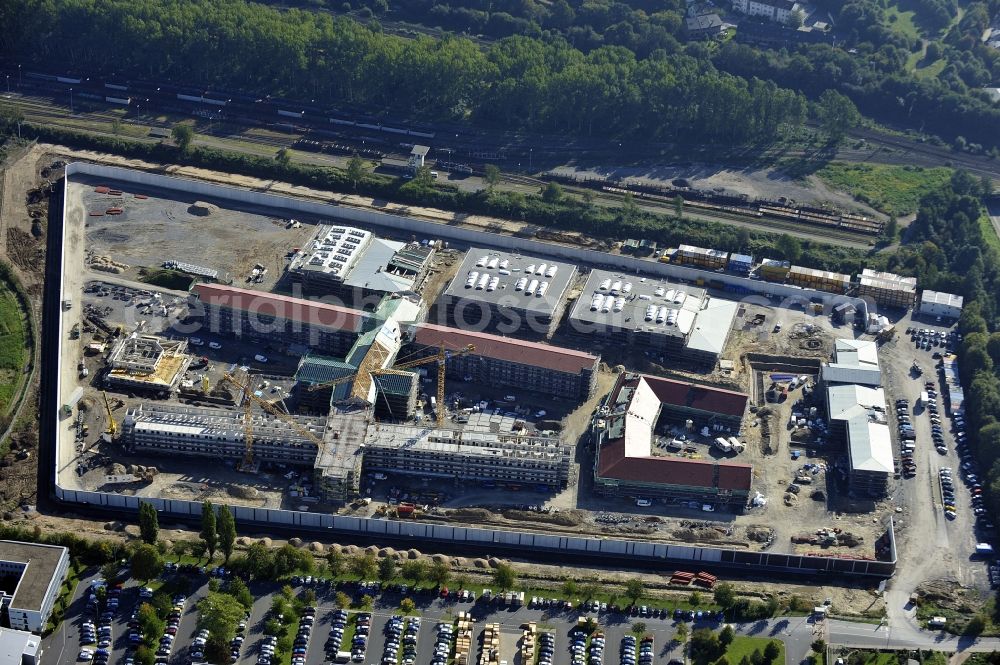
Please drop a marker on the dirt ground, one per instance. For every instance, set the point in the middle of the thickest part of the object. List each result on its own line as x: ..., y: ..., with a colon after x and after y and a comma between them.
x: 766, y: 183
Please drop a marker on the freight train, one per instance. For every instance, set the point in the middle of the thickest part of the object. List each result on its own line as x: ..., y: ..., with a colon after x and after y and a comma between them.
x: 845, y: 221
x: 266, y: 110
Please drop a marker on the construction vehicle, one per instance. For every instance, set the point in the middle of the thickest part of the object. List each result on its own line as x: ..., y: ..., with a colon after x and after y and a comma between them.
x: 248, y: 464
x: 441, y: 358
x: 112, y: 423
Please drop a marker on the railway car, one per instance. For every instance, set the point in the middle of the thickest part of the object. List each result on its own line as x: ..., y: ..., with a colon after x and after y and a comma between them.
x: 116, y: 86
x: 291, y: 114
x: 121, y: 101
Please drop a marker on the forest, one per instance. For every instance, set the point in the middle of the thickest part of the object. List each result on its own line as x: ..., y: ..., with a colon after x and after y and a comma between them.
x: 518, y: 82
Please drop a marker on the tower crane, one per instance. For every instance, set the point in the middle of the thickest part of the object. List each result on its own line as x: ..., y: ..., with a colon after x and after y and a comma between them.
x: 441, y: 357
x: 249, y: 399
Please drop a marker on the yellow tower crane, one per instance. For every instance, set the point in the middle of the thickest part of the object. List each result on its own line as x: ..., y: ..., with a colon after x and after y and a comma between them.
x: 441, y: 358
x: 249, y: 399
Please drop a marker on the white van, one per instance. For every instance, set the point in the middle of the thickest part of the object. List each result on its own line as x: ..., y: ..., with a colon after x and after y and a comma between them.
x: 643, y: 503
x: 260, y: 358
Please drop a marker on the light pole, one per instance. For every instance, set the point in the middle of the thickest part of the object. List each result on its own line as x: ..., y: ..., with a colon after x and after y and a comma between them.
x: 530, y: 152
x: 8, y: 84
x: 71, y: 112
x: 19, y: 77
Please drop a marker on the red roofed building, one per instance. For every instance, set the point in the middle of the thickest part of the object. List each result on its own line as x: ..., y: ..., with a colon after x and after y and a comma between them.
x: 640, y: 406
x: 277, y: 319
x: 503, y: 361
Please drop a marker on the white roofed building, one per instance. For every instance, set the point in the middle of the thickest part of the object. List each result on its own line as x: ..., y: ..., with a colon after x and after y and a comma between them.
x: 854, y: 361
x: 936, y: 303
x: 857, y: 413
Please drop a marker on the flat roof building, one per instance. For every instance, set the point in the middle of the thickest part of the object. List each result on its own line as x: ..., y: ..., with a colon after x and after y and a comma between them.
x: 358, y: 268
x: 514, y: 363
x: 945, y: 305
x: 18, y: 647
x: 31, y: 575
x: 507, y: 293
x: 679, y: 320
x: 274, y: 318
x: 858, y: 415
x: 639, y: 406
x: 854, y: 361
x: 888, y: 289
x: 490, y: 448
x: 221, y: 434
x: 147, y: 362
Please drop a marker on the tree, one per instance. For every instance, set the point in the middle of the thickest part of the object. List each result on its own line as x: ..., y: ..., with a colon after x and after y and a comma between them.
x: 342, y: 600
x: 183, y: 136
x: 789, y: 246
x: 209, y: 535
x: 635, y: 589
x: 283, y: 157
x: 144, y: 655
x: 149, y: 526
x: 440, y: 573
x: 220, y: 613
x: 366, y: 603
x: 836, y: 114
x: 552, y: 193
x: 386, y: 569
x: 772, y: 651
x: 308, y: 596
x: 116, y: 126
x: 724, y: 595
x: 491, y: 176
x: 726, y: 636
x: 504, y: 577
x: 238, y: 589
x: 147, y: 563
x: 892, y: 229
x: 259, y: 561
x: 151, y: 626
x: 639, y: 627
x: 819, y: 646
x: 705, y: 645
x: 590, y: 590
x: 679, y: 207
x: 682, y: 633
x: 355, y: 170
x: 407, y: 606
x: 743, y: 238
x: 227, y: 531
x: 109, y: 571
x: 335, y: 562
x: 364, y: 566
x: 570, y: 588
x: 414, y: 570
x: 695, y: 599
x: 179, y: 549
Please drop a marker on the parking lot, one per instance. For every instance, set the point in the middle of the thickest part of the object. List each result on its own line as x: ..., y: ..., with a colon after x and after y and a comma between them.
x: 392, y: 638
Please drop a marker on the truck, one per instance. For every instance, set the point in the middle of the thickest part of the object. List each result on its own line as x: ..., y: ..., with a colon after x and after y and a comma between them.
x: 922, y: 401
x: 723, y: 445
x: 342, y: 657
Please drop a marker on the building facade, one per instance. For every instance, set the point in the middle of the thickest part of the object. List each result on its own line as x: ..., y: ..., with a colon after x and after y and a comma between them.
x: 515, y: 458
x: 508, y: 362
x: 36, y: 573
x: 945, y: 305
x: 779, y: 11
x: 277, y: 319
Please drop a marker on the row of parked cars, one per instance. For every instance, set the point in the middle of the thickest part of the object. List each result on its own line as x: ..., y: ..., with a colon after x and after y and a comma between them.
x: 96, y: 638
x: 628, y: 650
x: 546, y: 648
